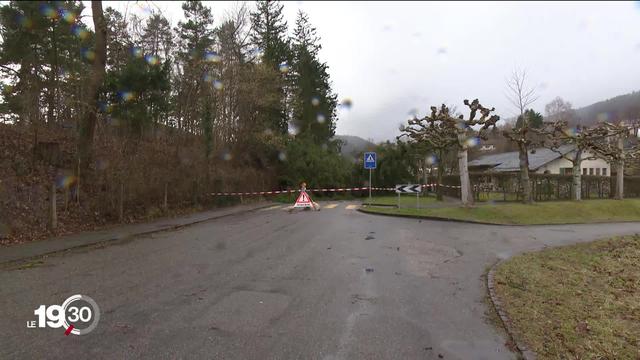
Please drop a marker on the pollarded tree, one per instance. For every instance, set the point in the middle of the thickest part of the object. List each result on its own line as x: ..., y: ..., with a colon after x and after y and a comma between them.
x: 434, y: 134
x: 557, y: 133
x: 444, y: 130
x: 615, y: 151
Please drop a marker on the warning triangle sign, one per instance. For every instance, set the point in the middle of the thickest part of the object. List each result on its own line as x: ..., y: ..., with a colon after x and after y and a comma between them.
x: 370, y: 158
x: 303, y: 201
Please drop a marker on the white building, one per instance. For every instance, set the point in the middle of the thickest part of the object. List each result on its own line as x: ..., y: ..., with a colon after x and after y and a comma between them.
x: 542, y: 161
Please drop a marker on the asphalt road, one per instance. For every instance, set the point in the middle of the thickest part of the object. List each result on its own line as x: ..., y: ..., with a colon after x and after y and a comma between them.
x: 272, y: 285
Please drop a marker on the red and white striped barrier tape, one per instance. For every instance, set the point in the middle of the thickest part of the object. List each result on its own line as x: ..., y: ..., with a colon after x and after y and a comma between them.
x: 275, y: 192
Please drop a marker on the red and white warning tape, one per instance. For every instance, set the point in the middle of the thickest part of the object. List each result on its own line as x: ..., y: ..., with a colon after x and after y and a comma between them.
x: 275, y: 192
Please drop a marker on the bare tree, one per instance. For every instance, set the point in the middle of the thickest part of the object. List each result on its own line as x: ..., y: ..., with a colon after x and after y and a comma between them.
x: 432, y: 132
x: 442, y: 130
x: 560, y: 110
x: 88, y: 121
x: 521, y: 96
x: 615, y: 152
x: 558, y: 133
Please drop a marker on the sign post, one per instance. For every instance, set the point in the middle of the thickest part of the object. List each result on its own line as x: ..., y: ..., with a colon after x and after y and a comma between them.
x: 409, y: 189
x: 370, y: 160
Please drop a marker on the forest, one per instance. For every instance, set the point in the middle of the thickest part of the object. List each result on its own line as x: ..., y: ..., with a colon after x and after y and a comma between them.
x: 118, y: 117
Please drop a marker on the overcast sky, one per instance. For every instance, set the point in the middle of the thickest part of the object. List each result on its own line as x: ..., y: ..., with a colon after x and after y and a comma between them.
x: 391, y: 58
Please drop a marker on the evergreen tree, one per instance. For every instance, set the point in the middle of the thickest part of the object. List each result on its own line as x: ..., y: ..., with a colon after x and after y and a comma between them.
x: 269, y: 34
x: 44, y: 50
x: 195, y: 62
x: 314, y: 103
x: 534, y: 119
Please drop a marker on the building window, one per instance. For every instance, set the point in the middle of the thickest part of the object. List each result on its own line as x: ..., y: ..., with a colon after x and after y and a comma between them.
x: 584, y: 171
x: 604, y: 171
x: 590, y: 171
x: 598, y: 171
x: 566, y: 171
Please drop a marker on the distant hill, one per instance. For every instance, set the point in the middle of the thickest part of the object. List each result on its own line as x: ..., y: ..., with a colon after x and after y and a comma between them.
x: 623, y: 107
x: 352, y: 146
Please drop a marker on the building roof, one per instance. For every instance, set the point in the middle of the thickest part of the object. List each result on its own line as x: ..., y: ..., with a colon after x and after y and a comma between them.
x: 510, y: 161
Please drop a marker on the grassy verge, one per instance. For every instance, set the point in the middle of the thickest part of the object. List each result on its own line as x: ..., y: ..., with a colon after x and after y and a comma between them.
x: 578, y: 302
x: 405, y: 200
x: 557, y: 212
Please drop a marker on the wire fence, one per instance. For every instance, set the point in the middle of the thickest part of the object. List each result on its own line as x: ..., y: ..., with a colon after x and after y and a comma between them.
x: 544, y: 187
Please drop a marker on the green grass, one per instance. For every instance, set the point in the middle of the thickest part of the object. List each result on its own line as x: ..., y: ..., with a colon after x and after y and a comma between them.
x: 556, y: 212
x: 576, y: 302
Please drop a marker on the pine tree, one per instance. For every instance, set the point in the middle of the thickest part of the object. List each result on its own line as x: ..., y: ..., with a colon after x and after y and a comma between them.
x: 270, y: 36
x: 314, y: 103
x: 196, y: 38
x: 39, y: 54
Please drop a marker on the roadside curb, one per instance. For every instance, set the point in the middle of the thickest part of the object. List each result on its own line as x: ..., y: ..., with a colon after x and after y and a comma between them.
x: 526, y: 353
x: 437, y: 218
x: 107, y: 239
x: 365, y: 211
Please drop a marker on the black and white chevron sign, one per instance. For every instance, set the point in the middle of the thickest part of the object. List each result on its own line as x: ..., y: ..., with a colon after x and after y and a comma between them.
x: 408, y: 188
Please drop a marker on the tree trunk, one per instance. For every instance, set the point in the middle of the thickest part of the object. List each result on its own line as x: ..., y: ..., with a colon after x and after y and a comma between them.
x: 577, y: 182
x: 121, y: 203
x: 88, y: 121
x: 439, y: 184
x: 620, y: 171
x: 164, y: 204
x: 524, y: 173
x: 53, y: 215
x: 465, y: 185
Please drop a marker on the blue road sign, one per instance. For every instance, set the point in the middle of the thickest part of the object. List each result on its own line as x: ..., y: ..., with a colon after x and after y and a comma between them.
x: 369, y: 160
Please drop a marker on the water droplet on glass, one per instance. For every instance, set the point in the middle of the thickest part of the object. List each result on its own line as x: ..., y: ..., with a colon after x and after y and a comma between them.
x: 80, y: 31
x: 137, y: 52
x: 48, y: 11
x: 432, y: 160
x: 25, y: 22
x: 88, y: 54
x: 217, y: 84
x: 284, y: 67
x: 315, y: 101
x: 126, y: 95
x: 212, y: 57
x: 472, y: 142
x: 282, y: 156
x: 346, y: 104
x: 321, y: 118
x: 152, y: 60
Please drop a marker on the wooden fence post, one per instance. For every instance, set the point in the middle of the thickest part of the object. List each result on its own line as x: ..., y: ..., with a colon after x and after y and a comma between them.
x: 165, y: 205
x: 53, y: 215
x: 121, y: 203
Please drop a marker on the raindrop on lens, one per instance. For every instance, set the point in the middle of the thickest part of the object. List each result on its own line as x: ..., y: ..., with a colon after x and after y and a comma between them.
x: 212, y: 57
x: 284, y: 67
x: 472, y: 141
x: 217, y: 84
x: 346, y: 103
x: 152, y: 60
x: 315, y: 101
x: 321, y: 118
x: 137, y: 52
x: 282, y: 156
